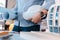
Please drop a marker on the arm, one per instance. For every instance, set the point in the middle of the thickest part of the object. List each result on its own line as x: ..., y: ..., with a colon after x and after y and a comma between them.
x: 45, y: 7
x: 7, y: 13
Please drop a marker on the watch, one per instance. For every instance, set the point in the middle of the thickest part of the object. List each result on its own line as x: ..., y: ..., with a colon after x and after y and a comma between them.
x: 43, y: 16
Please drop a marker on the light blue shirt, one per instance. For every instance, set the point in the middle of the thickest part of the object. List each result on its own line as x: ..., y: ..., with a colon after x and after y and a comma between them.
x: 22, y: 6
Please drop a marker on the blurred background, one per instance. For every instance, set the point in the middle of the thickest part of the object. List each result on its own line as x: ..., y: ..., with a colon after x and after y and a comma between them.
x: 9, y: 24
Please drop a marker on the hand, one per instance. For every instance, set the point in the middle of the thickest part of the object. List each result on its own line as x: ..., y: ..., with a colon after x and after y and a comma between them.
x: 37, y: 17
x: 44, y: 11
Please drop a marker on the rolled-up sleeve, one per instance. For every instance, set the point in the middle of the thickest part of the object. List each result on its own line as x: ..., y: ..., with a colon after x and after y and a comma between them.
x: 48, y: 3
x: 7, y: 13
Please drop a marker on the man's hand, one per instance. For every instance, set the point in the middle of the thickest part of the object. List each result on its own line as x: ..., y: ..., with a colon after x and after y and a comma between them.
x: 44, y: 11
x: 37, y: 17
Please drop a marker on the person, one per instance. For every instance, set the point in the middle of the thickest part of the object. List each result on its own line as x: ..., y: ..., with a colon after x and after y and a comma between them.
x: 22, y: 6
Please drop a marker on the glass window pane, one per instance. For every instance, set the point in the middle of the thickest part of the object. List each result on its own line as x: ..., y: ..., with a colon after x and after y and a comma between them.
x: 56, y: 15
x: 56, y: 22
x: 56, y: 29
x: 58, y: 8
x: 51, y: 16
x: 51, y: 29
x: 52, y: 10
x: 50, y: 22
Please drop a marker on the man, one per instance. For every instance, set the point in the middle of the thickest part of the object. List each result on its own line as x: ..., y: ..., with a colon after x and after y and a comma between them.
x: 22, y: 6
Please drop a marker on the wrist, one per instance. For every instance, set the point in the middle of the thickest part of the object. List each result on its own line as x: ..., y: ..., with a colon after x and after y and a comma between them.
x: 44, y: 11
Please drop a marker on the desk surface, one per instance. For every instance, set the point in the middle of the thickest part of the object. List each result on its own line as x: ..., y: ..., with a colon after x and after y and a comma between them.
x: 33, y: 36
x: 14, y: 36
x: 39, y: 36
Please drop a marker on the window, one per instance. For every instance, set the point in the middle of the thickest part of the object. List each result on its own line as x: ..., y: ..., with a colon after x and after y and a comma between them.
x: 58, y: 8
x: 56, y: 22
x: 52, y: 10
x: 50, y: 22
x: 51, y: 16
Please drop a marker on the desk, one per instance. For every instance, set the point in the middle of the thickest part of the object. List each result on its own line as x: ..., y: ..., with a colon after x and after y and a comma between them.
x: 14, y: 36
x: 39, y: 36
x: 33, y: 36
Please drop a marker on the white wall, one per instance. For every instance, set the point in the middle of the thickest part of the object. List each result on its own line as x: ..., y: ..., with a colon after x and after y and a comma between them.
x: 11, y: 3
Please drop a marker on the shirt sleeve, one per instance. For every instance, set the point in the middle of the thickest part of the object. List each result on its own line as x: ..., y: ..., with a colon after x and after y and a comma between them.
x: 7, y: 13
x: 48, y: 3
